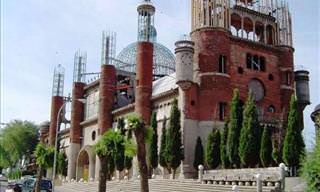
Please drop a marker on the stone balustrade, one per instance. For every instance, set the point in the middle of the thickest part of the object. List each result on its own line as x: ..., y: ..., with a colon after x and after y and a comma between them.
x: 271, y: 177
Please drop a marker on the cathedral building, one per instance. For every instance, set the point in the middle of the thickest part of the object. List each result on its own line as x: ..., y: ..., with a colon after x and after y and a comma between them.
x: 233, y: 44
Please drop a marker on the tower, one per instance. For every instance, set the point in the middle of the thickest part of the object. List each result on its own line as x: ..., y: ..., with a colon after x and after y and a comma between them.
x: 107, y: 88
x: 77, y: 110
x: 144, y: 70
x: 238, y: 44
x: 56, y: 101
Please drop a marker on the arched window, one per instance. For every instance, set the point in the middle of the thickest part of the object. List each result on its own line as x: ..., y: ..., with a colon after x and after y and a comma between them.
x: 270, y: 35
x: 93, y: 135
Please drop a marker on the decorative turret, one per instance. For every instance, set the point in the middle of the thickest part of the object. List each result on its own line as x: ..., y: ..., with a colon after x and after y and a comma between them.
x: 146, y: 30
x: 184, y: 63
x: 302, y: 87
x: 44, y: 130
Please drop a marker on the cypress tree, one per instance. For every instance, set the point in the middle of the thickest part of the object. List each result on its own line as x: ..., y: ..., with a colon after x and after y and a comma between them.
x: 223, y: 150
x: 199, y: 154
x: 234, y: 131
x: 174, y: 144
x: 249, y: 144
x: 127, y: 159
x: 266, y: 148
x: 213, y: 149
x: 162, y: 153
x: 153, y: 147
x: 276, y: 154
x: 120, y: 156
x: 293, y: 147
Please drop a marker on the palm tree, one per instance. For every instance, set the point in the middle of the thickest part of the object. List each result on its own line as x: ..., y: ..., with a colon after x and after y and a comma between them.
x: 107, y: 150
x: 136, y: 124
x: 44, y: 156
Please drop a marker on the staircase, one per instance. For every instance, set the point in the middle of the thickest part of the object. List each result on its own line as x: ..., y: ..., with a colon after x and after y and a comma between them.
x: 156, y: 185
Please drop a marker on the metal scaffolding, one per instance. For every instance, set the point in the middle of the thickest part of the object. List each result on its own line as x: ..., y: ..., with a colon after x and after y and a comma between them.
x: 80, y: 62
x: 58, y: 81
x: 108, y: 47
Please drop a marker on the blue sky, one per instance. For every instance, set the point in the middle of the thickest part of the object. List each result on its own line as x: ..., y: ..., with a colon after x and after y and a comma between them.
x: 39, y: 34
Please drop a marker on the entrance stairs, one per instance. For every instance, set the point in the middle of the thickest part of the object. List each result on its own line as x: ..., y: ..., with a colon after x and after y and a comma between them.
x: 155, y: 185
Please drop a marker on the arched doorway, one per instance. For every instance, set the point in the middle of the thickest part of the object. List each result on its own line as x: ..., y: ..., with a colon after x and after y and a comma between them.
x: 83, y: 166
x: 86, y: 163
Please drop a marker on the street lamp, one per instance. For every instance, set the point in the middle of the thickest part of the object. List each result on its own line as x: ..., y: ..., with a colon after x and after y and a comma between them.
x: 56, y: 136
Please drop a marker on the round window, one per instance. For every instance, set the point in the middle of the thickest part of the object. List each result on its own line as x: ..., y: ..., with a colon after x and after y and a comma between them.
x: 257, y: 89
x: 271, y: 109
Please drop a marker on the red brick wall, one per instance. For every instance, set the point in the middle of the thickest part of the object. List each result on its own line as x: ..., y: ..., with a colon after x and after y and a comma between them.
x: 215, y: 88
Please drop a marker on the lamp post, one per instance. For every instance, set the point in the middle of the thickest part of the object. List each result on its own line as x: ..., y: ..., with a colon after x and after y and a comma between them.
x: 56, y: 137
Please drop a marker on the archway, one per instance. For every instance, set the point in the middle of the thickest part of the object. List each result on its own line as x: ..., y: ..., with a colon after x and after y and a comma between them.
x: 86, y: 164
x: 83, y: 166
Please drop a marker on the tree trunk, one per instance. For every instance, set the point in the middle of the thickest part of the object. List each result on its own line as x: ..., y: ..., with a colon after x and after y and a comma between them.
x: 103, y: 175
x: 38, y: 181
x: 141, y: 154
x: 174, y: 174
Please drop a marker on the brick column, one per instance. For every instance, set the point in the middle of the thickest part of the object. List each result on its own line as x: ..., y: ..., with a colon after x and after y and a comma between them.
x: 107, y: 90
x: 75, y: 131
x: 144, y: 79
x: 56, y: 104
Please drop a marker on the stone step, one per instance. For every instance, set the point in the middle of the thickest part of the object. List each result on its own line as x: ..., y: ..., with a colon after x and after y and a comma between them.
x: 156, y: 185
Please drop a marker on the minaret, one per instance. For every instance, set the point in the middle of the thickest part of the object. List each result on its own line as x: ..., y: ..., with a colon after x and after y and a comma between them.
x: 77, y: 110
x: 107, y: 88
x: 144, y: 70
x: 57, y: 101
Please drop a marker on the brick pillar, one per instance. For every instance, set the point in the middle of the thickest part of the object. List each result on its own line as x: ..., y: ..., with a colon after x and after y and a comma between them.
x: 144, y: 79
x: 56, y: 104
x: 107, y: 91
x: 75, y: 131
